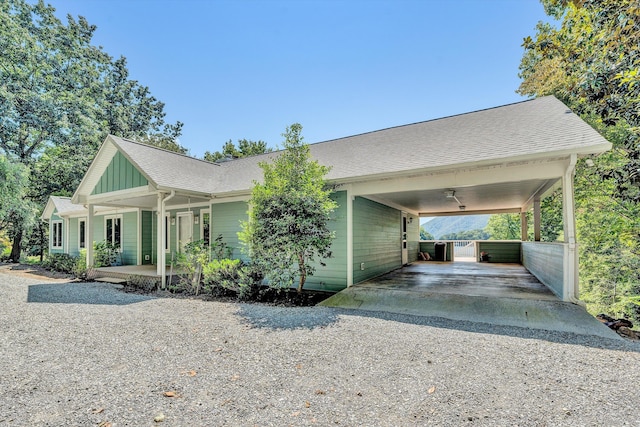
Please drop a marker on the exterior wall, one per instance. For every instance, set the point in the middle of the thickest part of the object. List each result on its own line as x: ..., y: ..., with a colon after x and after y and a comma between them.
x: 546, y: 262
x: 119, y: 175
x: 333, y: 276
x: 130, y: 233
x: 173, y: 227
x: 225, y: 221
x: 501, y: 251
x: 377, y: 239
x: 130, y: 238
x: 147, y: 234
x: 428, y: 246
x: 73, y: 243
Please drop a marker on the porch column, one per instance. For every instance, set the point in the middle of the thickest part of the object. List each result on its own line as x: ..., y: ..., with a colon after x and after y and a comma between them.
x: 537, y: 219
x: 161, y: 226
x: 349, y: 237
x: 524, y: 226
x: 569, y: 223
x: 88, y: 235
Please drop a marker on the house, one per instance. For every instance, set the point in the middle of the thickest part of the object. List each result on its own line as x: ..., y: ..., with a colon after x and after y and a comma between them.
x: 151, y: 202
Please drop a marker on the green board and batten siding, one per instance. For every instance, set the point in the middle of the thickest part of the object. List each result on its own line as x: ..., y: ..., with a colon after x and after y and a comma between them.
x: 119, y: 175
x: 147, y: 235
x: 376, y: 239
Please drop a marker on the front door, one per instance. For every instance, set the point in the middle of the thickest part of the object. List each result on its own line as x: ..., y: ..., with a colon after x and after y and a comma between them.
x: 185, y: 229
x: 405, y: 251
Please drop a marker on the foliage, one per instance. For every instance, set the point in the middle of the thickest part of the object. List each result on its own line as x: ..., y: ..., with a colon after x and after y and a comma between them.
x: 105, y: 254
x: 219, y: 249
x: 466, y: 235
x: 504, y: 227
x: 591, y: 62
x: 425, y: 235
x: 290, y: 211
x: 190, y: 264
x: 233, y: 275
x: 15, y: 211
x: 59, y: 97
x: 64, y: 263
x: 230, y: 151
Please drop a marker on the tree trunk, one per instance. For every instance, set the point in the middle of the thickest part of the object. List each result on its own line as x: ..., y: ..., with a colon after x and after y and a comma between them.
x: 42, y: 241
x: 16, y: 247
x: 303, y: 273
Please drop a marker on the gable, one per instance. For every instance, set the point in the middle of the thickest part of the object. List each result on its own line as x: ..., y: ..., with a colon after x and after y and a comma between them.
x: 120, y: 174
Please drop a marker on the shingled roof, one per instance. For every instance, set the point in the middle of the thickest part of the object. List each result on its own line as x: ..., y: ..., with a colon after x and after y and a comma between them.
x: 524, y: 130
x: 538, y: 128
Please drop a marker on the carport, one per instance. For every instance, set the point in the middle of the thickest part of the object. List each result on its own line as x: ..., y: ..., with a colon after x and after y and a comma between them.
x: 496, y: 294
x: 503, y: 160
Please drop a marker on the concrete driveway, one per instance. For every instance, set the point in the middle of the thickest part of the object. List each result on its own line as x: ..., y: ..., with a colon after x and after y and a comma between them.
x: 499, y: 294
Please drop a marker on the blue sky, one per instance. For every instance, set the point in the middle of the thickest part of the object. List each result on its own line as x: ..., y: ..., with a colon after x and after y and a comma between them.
x: 247, y: 69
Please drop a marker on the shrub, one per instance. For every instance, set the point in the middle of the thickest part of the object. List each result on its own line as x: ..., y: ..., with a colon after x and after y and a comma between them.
x: 233, y: 275
x: 63, y: 263
x: 105, y: 254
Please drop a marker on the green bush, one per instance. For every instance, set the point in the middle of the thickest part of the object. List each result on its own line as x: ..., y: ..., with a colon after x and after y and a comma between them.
x: 233, y: 275
x: 105, y: 254
x: 63, y: 263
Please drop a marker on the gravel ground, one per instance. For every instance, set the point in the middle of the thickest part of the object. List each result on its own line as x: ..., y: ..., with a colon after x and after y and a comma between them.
x: 87, y: 354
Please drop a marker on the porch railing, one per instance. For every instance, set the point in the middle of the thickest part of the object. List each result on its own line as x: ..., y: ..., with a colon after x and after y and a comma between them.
x: 464, y: 248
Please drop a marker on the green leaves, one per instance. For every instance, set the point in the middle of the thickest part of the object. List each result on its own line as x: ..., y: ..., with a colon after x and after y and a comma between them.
x: 288, y: 223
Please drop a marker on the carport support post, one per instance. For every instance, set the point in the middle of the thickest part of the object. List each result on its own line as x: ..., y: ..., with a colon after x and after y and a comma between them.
x: 537, y: 219
x: 569, y: 221
x: 88, y: 235
x: 350, y: 266
x: 161, y: 233
x: 524, y: 226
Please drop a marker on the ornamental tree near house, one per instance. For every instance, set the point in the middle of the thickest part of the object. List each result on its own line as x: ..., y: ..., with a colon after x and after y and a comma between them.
x: 289, y: 216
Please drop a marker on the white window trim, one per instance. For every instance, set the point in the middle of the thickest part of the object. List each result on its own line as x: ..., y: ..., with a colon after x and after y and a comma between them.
x: 204, y: 212
x: 108, y: 217
x: 53, y: 233
x: 80, y: 220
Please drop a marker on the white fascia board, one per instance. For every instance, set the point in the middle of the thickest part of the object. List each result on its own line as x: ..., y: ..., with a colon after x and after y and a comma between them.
x: 186, y: 206
x: 116, y: 196
x: 478, y: 175
x: 232, y: 198
x: 470, y: 212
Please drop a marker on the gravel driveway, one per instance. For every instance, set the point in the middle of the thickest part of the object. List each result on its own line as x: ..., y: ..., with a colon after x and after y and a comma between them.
x: 87, y: 354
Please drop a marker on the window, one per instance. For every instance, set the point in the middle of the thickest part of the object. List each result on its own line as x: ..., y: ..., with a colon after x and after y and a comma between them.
x: 113, y: 230
x: 205, y: 224
x: 82, y: 233
x: 56, y: 234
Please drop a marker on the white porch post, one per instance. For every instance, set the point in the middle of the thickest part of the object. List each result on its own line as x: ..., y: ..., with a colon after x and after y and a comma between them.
x: 568, y: 216
x: 161, y: 233
x: 88, y: 235
x: 349, y: 237
x: 537, y: 219
x: 524, y: 226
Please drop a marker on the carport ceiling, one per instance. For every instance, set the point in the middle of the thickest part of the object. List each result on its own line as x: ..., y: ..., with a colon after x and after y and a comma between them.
x: 493, y: 197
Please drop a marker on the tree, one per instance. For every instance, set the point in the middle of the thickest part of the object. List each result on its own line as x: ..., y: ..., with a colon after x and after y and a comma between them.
x: 466, y: 235
x: 288, y: 225
x: 245, y: 148
x: 425, y: 235
x: 504, y: 227
x: 591, y: 62
x: 60, y: 94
